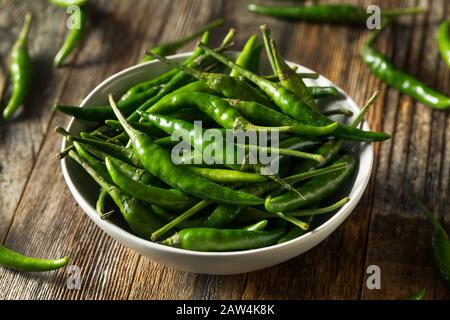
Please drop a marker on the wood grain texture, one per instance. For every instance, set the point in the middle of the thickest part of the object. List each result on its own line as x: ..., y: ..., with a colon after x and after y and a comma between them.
x: 38, y: 215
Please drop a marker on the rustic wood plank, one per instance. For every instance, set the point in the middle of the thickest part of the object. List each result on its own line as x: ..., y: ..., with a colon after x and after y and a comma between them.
x: 48, y: 222
x: 398, y: 240
x: 21, y: 138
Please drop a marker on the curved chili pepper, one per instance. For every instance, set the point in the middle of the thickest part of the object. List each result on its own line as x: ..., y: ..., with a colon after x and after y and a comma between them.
x: 223, y: 216
x: 14, y: 260
x: 166, y: 198
x: 228, y: 117
x: 227, y: 175
x: 327, y: 13
x: 102, y: 113
x: 323, y: 92
x: 249, y: 54
x: 443, y: 39
x: 440, y: 245
x: 419, y: 295
x: 330, y: 149
x: 210, y: 239
x: 158, y: 162
x: 175, y: 126
x: 383, y: 69
x: 20, y: 69
x: 100, y: 205
x: 67, y: 3
x: 180, y: 77
x: 73, y: 38
x: 288, y: 77
x: 314, y: 190
x: 295, y: 108
x: 295, y: 231
x: 139, y: 217
x: 229, y: 86
x: 172, y: 47
x: 262, y: 115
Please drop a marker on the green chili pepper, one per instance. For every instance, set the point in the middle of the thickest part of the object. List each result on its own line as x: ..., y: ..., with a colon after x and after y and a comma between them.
x: 303, y: 75
x: 288, y: 77
x: 172, y: 47
x: 175, y: 126
x: 382, y: 68
x: 20, y: 70
x: 443, y: 39
x: 327, y: 13
x: 139, y: 217
x: 247, y: 56
x: 440, y: 245
x: 295, y: 108
x: 223, y: 113
x: 230, y: 87
x: 314, y: 190
x: 122, y: 153
x: 223, y: 216
x: 227, y: 176
x: 166, y: 198
x: 330, y: 149
x: 419, y: 295
x: 73, y: 38
x: 180, y: 77
x: 210, y: 239
x: 262, y: 115
x: 259, y: 226
x: 102, y: 113
x: 295, y: 232
x: 323, y: 92
x: 158, y: 162
x: 67, y: 3
x: 14, y: 260
x: 101, y: 204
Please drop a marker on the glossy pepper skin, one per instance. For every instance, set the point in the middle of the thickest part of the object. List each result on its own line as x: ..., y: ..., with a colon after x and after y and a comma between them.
x: 295, y: 108
x: 17, y: 261
x: 262, y: 115
x: 229, y: 86
x: 383, y: 69
x: 288, y: 78
x: 327, y: 13
x: 210, y: 239
x: 440, y: 246
x: 102, y: 113
x: 443, y: 39
x: 73, y: 38
x: 249, y: 54
x: 167, y: 198
x: 158, y: 162
x: 172, y: 47
x: 141, y: 219
x: 314, y: 190
x: 20, y: 71
x: 67, y: 3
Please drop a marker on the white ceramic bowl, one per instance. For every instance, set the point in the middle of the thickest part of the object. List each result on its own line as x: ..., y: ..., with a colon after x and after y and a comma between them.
x: 85, y: 190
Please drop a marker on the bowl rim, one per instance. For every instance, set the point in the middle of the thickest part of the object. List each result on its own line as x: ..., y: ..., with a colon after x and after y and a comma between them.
x: 338, y: 218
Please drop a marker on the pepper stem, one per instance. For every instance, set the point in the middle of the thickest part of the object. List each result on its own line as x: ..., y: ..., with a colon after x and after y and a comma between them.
x: 187, y: 214
x: 23, y: 36
x: 312, y: 212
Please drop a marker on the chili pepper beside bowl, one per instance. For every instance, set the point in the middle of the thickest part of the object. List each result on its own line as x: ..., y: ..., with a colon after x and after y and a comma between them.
x: 85, y: 190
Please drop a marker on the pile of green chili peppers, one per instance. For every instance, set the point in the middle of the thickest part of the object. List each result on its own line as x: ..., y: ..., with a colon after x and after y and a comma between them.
x: 222, y: 205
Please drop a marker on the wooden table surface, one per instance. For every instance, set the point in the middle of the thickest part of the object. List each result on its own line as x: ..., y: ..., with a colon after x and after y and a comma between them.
x: 38, y: 215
